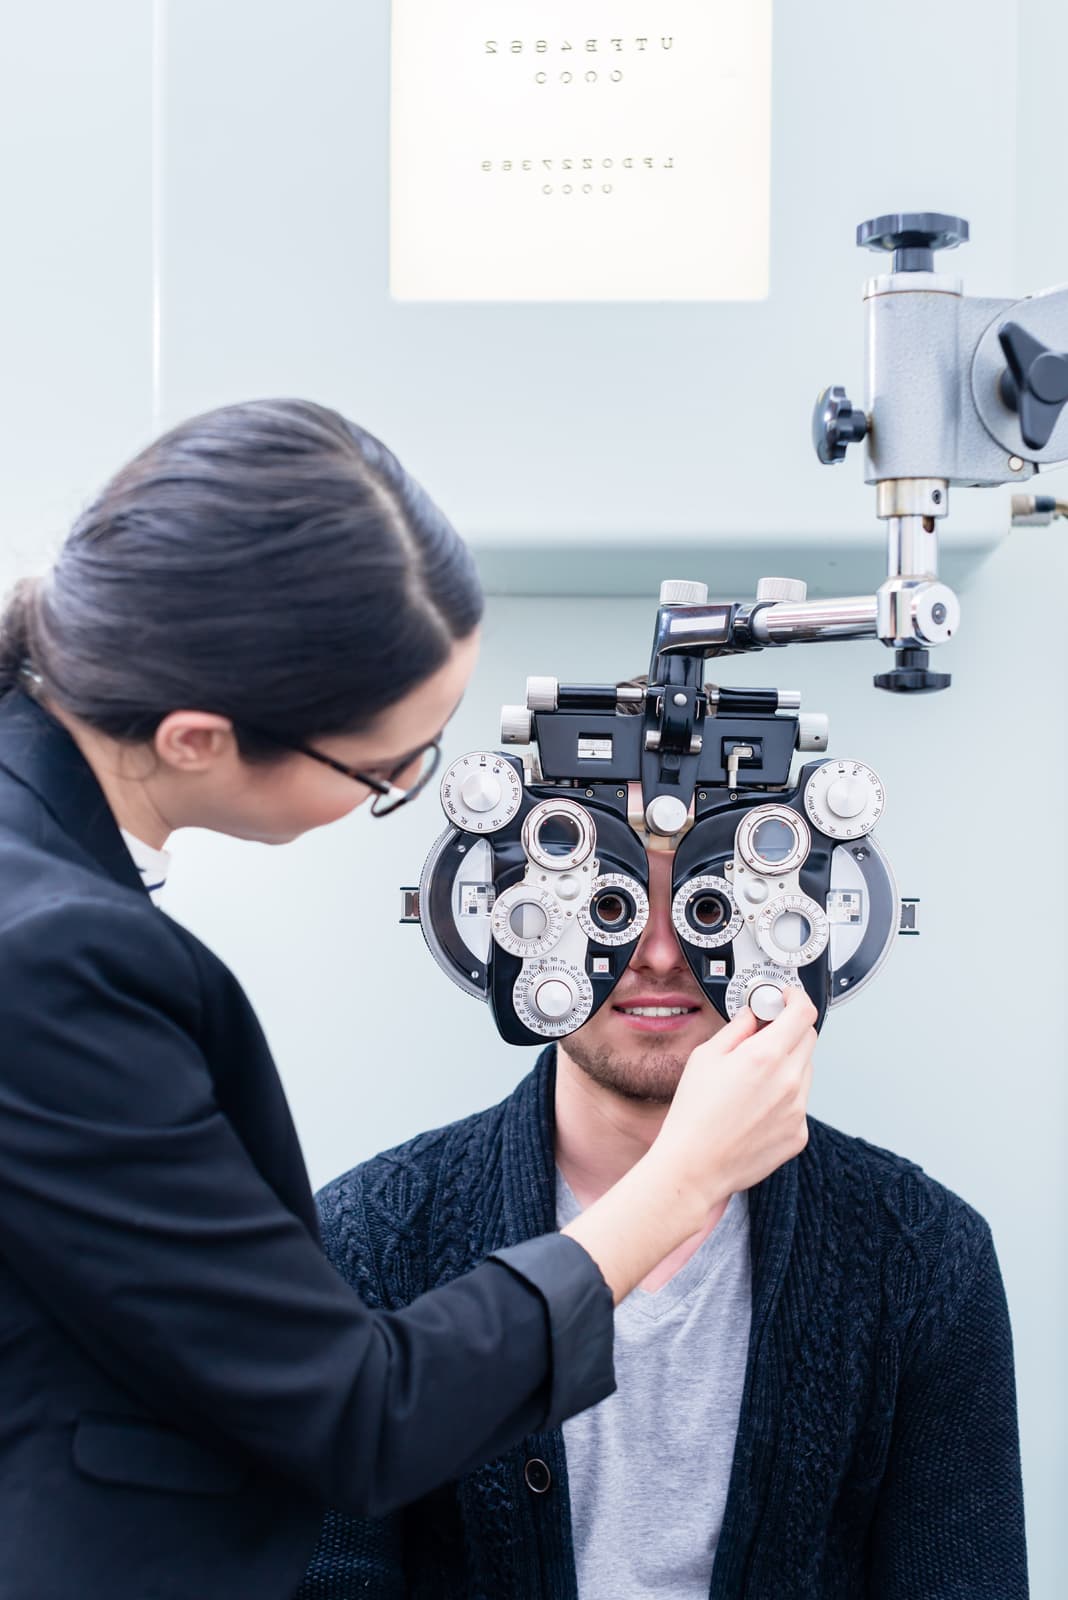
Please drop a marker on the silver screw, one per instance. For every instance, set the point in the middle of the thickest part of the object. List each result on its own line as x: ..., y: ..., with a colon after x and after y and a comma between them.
x: 678, y: 699
x: 1015, y: 464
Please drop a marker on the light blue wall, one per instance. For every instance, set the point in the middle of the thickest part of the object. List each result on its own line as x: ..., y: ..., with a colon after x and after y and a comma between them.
x: 196, y: 213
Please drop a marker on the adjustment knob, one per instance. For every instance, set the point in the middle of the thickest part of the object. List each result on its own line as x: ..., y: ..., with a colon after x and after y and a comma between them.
x: 481, y: 791
x: 836, y: 424
x: 553, y: 999
x: 813, y: 730
x: 517, y: 725
x: 766, y: 1002
x: 665, y: 814
x: 542, y: 694
x: 911, y: 673
x: 1035, y: 385
x: 844, y: 799
x: 847, y: 797
x: 776, y: 589
x: 683, y: 592
x: 913, y: 236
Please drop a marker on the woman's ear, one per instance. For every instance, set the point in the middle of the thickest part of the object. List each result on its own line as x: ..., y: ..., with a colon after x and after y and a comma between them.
x: 194, y: 741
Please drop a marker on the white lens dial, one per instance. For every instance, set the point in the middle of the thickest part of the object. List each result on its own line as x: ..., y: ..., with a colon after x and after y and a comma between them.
x: 552, y: 998
x: 610, y: 891
x: 773, y: 840
x: 844, y: 799
x: 558, y: 834
x: 792, y: 930
x: 760, y: 976
x: 526, y: 921
x: 481, y: 792
x: 704, y: 912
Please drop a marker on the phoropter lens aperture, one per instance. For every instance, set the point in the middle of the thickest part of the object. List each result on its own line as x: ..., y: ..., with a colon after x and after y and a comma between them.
x: 612, y: 910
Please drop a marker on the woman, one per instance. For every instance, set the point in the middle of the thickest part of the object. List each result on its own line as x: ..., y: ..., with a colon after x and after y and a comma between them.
x: 261, y: 623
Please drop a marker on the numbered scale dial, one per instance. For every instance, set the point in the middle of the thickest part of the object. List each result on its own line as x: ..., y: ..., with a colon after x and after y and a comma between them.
x: 704, y: 912
x: 617, y: 910
x: 844, y: 799
x: 761, y: 987
x: 526, y: 921
x: 481, y: 792
x: 552, y: 997
x: 793, y: 930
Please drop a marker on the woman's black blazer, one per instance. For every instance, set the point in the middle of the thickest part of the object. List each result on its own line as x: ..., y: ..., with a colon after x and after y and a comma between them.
x: 184, y: 1379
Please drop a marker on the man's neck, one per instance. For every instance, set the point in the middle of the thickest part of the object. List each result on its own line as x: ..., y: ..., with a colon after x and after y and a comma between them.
x: 599, y: 1134
x: 599, y: 1137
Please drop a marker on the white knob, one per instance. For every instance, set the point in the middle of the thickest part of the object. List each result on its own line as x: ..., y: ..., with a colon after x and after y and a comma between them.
x: 683, y: 592
x: 756, y: 891
x: 766, y: 1002
x: 793, y: 589
x: 517, y: 725
x: 568, y: 887
x: 813, y: 730
x: 847, y: 797
x: 481, y: 791
x: 553, y: 998
x: 542, y: 694
x: 665, y: 814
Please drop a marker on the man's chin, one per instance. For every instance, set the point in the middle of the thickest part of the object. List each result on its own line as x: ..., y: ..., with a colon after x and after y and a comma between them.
x: 650, y: 1075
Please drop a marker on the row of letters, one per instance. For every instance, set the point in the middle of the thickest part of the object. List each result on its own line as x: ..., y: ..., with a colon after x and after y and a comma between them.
x: 581, y: 164
x: 541, y: 47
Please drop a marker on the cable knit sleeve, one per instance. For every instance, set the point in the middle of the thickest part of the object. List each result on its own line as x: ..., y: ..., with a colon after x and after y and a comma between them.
x: 950, y: 1520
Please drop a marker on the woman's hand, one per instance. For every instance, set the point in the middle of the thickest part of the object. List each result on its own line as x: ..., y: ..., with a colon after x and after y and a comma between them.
x: 738, y: 1114
x: 739, y: 1110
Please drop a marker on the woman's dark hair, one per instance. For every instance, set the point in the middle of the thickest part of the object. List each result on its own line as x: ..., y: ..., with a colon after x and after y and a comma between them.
x: 270, y: 562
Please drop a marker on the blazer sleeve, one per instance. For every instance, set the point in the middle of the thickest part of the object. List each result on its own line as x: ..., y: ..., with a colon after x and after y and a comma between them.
x: 950, y: 1517
x: 130, y: 1207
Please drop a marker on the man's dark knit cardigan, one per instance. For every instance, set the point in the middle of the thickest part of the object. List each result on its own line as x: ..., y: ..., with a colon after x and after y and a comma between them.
x: 877, y: 1448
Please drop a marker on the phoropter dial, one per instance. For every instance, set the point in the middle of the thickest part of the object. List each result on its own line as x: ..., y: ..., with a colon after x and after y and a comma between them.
x: 526, y: 921
x: 617, y: 910
x: 773, y: 840
x: 761, y: 987
x: 844, y: 799
x: 552, y: 997
x: 792, y: 930
x: 704, y: 912
x: 481, y: 792
x: 559, y: 835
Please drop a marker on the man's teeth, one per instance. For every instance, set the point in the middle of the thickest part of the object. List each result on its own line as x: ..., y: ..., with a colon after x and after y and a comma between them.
x: 656, y: 1011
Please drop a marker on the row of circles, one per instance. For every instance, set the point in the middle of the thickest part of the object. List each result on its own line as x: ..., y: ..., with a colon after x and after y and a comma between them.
x: 482, y: 792
x: 552, y: 998
x: 529, y: 922
x: 791, y: 929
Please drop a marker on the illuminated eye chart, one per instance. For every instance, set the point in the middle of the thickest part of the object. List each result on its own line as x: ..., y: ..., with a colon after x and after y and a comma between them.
x: 580, y: 149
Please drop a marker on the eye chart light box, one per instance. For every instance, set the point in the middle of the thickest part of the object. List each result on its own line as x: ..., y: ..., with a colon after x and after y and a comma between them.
x: 580, y: 149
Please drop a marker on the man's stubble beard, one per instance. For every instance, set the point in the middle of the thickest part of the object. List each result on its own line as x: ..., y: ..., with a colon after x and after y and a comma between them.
x: 652, y: 1079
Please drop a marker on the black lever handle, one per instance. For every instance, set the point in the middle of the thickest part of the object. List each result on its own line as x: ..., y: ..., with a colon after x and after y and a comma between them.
x: 1035, y: 384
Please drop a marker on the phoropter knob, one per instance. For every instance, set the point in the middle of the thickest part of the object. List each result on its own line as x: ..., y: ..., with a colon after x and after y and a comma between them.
x: 1035, y: 385
x: 913, y: 236
x: 836, y: 424
x: 683, y: 592
x: 778, y: 590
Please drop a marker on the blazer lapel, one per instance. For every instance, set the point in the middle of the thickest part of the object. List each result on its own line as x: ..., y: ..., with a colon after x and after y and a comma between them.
x: 38, y: 752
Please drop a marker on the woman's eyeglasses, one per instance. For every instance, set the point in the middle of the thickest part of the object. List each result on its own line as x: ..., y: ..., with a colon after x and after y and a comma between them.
x: 389, y: 796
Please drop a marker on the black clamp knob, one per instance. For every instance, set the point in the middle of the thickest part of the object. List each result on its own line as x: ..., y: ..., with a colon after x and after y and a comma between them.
x: 836, y: 424
x: 1035, y: 384
x: 911, y: 675
x: 913, y: 236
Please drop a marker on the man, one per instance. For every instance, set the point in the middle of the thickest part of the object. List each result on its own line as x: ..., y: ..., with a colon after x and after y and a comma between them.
x: 815, y: 1394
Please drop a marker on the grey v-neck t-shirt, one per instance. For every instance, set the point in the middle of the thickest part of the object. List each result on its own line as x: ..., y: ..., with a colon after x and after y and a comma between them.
x: 648, y: 1468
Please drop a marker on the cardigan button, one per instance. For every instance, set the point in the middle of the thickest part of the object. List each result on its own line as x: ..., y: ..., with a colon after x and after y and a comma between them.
x: 538, y: 1477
